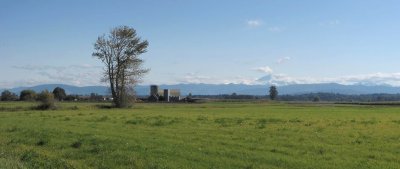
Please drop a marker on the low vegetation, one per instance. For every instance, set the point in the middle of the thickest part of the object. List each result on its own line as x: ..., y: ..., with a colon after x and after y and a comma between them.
x: 46, y: 100
x: 207, y: 135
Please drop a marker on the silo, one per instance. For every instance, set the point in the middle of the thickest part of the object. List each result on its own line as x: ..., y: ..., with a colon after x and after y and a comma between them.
x: 166, y: 95
x: 153, y: 90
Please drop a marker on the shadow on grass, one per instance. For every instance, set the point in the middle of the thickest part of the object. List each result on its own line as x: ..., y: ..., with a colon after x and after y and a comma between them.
x: 102, y: 106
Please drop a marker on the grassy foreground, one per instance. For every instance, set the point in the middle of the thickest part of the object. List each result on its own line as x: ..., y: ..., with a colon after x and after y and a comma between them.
x: 209, y: 135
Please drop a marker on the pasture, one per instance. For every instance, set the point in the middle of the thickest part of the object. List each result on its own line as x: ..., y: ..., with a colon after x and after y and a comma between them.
x: 246, y: 135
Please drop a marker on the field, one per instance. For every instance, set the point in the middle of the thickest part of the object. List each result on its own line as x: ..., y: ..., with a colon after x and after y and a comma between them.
x: 209, y: 135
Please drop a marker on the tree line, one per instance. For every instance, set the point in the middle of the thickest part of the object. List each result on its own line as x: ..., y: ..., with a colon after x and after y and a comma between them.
x: 311, y: 97
x: 60, y: 95
x: 336, y: 97
x: 30, y: 95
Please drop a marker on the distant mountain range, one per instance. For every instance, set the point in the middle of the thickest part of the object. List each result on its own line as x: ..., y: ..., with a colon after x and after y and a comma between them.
x: 215, y: 89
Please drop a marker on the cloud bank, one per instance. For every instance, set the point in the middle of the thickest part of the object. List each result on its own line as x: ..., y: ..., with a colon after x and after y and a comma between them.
x: 86, y: 75
x: 264, y: 69
x: 78, y: 75
x: 269, y: 77
x: 392, y: 79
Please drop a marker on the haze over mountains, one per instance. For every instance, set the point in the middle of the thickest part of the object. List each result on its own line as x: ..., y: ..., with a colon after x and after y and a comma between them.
x: 216, y: 89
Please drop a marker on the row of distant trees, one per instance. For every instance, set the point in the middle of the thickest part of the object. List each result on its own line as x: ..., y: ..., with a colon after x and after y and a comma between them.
x: 59, y: 94
x: 45, y: 97
x: 30, y: 95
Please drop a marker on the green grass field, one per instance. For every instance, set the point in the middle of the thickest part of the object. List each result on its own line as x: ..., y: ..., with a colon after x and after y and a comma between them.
x: 208, y: 135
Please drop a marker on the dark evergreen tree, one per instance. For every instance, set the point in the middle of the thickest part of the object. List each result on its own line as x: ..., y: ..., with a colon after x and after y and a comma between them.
x: 273, y: 92
x: 59, y: 93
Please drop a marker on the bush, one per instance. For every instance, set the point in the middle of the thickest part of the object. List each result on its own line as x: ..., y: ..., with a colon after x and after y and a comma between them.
x: 27, y: 95
x: 125, y: 101
x: 46, y: 100
x: 8, y: 96
x: 71, y: 98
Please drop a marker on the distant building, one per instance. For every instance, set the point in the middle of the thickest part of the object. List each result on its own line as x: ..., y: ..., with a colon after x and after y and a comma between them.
x: 174, y: 95
x: 175, y: 92
x: 167, y: 95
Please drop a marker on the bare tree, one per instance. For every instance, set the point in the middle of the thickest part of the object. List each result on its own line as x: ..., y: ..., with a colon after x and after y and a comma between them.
x: 119, y: 51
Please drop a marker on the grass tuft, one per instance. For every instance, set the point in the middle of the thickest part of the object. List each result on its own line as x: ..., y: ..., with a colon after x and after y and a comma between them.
x: 261, y: 123
x: 102, y: 118
x: 42, y: 142
x: 135, y: 121
x: 76, y: 144
x: 28, y: 155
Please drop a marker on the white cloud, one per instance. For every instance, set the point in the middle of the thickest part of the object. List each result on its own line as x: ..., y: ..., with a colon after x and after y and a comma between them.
x: 254, y: 23
x: 79, y: 75
x: 283, y: 60
x: 52, y: 67
x: 275, y: 29
x: 283, y: 79
x: 264, y: 69
x: 197, y: 78
x: 25, y: 82
x: 370, y: 79
x: 84, y: 75
x: 392, y: 79
x: 39, y: 67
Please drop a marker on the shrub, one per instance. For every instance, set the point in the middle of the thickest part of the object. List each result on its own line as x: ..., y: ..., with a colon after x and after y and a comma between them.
x: 46, y: 100
x: 125, y: 101
x: 8, y: 96
x: 27, y: 95
x: 316, y: 99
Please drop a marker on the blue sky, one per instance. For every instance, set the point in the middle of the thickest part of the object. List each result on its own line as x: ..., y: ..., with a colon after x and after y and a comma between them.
x: 208, y: 41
